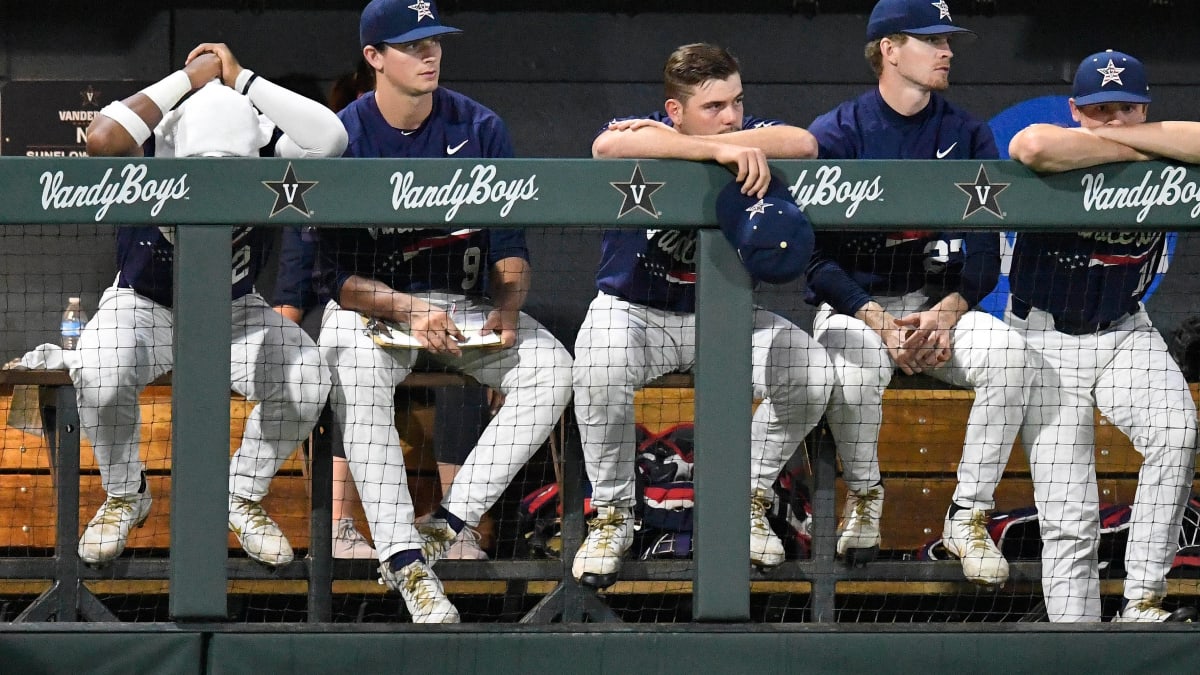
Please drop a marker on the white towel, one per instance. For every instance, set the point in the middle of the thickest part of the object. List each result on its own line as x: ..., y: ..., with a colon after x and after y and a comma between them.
x: 215, y: 121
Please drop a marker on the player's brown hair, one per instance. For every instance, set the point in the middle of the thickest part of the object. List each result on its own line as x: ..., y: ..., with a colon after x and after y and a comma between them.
x: 875, y: 57
x: 692, y: 65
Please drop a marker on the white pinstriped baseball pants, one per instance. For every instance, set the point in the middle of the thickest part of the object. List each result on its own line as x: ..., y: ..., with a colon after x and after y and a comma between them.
x: 1126, y: 372
x: 534, y: 376
x: 622, y: 346
x: 987, y: 357
x: 127, y: 344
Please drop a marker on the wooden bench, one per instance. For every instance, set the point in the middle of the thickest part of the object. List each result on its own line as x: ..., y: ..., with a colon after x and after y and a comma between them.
x: 27, y: 500
x: 920, y: 446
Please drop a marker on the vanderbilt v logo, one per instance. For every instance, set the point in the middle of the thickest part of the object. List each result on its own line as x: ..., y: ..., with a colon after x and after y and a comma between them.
x: 638, y: 193
x: 983, y: 194
x: 289, y: 193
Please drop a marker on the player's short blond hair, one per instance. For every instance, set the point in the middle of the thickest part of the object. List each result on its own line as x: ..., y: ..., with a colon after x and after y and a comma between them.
x: 875, y: 57
x: 692, y: 65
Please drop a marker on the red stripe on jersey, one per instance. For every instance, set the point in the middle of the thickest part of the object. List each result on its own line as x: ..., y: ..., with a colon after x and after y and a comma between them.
x: 1112, y: 260
x: 413, y: 250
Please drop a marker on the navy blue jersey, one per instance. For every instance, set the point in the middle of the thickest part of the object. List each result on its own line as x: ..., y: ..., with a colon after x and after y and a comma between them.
x: 848, y: 268
x: 418, y: 259
x: 1085, y: 280
x: 146, y: 258
x: 656, y: 268
x: 145, y: 261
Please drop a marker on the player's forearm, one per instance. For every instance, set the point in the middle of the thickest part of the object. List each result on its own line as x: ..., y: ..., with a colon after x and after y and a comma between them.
x: 1173, y: 140
x: 651, y: 143
x: 780, y: 141
x: 1049, y: 148
x: 376, y: 299
x: 510, y: 283
x: 106, y: 137
x: 310, y: 129
x: 123, y: 126
x: 875, y: 316
x: 950, y: 309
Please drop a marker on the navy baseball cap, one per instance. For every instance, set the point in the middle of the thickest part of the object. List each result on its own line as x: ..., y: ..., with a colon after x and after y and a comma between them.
x: 1110, y: 77
x: 914, y: 17
x: 771, y: 235
x: 400, y: 21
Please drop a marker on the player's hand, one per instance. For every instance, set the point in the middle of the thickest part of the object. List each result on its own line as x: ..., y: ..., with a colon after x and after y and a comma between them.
x: 749, y: 166
x: 503, y: 322
x: 230, y: 68
x: 634, y: 125
x: 894, y: 338
x: 435, y: 330
x: 202, y: 68
x: 927, y: 337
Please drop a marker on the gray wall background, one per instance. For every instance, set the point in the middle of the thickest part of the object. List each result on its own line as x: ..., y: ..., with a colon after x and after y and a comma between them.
x: 555, y: 77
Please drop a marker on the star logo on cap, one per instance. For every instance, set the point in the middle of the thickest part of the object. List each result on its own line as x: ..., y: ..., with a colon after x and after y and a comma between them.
x: 982, y: 193
x: 289, y: 193
x: 943, y: 9
x: 637, y: 192
x: 758, y: 209
x: 1111, y: 73
x: 422, y: 9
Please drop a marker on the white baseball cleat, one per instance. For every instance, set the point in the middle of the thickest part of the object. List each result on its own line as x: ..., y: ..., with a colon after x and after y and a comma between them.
x: 858, y: 538
x: 422, y: 592
x: 108, y: 531
x: 259, y: 536
x: 436, y: 537
x: 1149, y: 610
x: 610, y: 534
x: 965, y: 536
x: 766, y: 550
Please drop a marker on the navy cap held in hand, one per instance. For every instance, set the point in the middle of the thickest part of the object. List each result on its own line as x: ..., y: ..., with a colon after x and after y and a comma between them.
x: 772, y: 236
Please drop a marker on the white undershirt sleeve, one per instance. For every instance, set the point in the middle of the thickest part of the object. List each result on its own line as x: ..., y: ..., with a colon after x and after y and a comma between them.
x: 309, y: 128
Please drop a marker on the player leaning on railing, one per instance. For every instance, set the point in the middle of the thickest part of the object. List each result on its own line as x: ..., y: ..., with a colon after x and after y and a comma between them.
x: 211, y: 108
x: 1076, y: 298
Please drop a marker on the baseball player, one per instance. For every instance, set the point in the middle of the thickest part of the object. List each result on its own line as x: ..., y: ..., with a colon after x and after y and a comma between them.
x: 432, y: 280
x: 889, y: 300
x: 463, y: 410
x: 642, y: 324
x: 1077, y: 299
x: 128, y: 342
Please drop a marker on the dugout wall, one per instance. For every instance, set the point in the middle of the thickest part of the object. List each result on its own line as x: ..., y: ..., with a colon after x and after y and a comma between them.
x: 207, y: 196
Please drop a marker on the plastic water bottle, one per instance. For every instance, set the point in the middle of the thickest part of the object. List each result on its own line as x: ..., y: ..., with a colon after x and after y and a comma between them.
x: 73, y: 320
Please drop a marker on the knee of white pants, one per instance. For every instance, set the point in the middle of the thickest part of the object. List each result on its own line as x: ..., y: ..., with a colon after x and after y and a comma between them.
x: 1172, y: 440
x: 554, y: 369
x: 1006, y: 360
x: 101, y: 387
